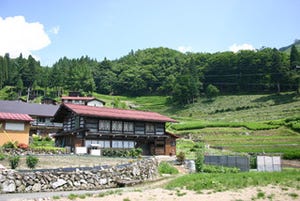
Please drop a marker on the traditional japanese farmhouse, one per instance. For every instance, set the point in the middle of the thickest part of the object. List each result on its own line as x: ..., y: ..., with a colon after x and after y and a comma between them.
x: 84, y: 126
x: 82, y: 100
x: 14, y: 128
x: 41, y: 114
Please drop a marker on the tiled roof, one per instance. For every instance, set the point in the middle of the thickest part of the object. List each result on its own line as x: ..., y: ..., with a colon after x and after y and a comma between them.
x: 113, y: 113
x: 32, y: 109
x: 14, y: 116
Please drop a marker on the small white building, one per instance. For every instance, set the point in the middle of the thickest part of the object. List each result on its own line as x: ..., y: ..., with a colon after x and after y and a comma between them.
x: 81, y: 100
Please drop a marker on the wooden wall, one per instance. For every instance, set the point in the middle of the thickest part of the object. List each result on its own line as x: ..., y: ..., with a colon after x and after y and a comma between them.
x: 19, y: 136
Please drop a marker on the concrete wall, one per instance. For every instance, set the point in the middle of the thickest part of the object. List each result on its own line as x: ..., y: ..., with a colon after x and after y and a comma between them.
x: 77, y: 178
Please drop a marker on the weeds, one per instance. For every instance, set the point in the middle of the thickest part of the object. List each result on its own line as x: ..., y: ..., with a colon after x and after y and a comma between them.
x: 293, y: 195
x: 167, y: 168
x: 222, y: 182
x: 72, y: 196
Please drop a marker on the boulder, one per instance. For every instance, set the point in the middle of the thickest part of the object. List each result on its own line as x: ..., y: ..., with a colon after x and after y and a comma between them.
x: 58, y: 183
x: 8, y: 186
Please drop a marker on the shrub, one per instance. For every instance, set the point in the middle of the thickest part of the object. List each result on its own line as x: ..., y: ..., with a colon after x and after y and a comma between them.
x: 212, y: 91
x: 48, y: 139
x: 32, y: 161
x: 181, y: 157
x: 10, y: 145
x: 2, y: 156
x: 14, y: 161
x: 291, y: 155
x: 253, y: 161
x: 134, y: 153
x: 167, y: 168
x: 199, y: 162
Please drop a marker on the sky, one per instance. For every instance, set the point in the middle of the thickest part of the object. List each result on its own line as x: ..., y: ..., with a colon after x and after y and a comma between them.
x: 51, y: 29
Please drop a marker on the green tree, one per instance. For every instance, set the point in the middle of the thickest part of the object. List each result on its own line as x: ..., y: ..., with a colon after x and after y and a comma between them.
x: 212, y: 91
x: 294, y: 57
x: 20, y: 87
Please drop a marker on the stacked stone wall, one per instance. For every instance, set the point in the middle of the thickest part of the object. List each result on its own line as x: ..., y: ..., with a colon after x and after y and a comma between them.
x: 68, y: 179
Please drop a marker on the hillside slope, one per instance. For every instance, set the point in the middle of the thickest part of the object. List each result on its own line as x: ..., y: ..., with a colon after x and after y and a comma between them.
x: 287, y: 49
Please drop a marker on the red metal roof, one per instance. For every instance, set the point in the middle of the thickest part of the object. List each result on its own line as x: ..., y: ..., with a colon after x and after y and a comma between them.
x: 113, y: 113
x: 14, y: 116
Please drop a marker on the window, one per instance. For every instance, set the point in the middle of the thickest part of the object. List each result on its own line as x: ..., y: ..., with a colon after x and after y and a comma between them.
x: 91, y: 124
x: 104, y: 126
x: 41, y: 119
x: 128, y: 127
x: 139, y: 128
x: 117, y: 144
x: 149, y: 128
x: 160, y: 129
x: 128, y: 144
x: 15, y: 126
x: 117, y: 126
x: 101, y: 143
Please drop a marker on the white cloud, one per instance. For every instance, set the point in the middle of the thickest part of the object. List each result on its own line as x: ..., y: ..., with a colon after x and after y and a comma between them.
x: 245, y: 46
x: 185, y: 49
x: 54, y: 30
x: 18, y: 36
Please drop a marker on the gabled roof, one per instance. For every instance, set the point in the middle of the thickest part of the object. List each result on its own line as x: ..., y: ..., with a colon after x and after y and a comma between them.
x: 83, y: 98
x: 110, y: 113
x: 14, y: 116
x: 32, y: 109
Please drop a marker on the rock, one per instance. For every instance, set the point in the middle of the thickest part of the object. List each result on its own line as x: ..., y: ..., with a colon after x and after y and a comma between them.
x: 28, y: 189
x: 36, y: 187
x: 21, y: 188
x: 8, y: 186
x: 102, y: 181
x: 18, y: 183
x: 83, y: 181
x: 2, y: 178
x: 58, y: 183
x: 76, y: 183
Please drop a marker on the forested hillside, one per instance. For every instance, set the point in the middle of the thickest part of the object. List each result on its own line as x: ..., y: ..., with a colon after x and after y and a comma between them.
x: 158, y: 71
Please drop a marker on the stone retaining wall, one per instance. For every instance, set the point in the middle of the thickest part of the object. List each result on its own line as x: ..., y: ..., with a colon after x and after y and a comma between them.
x: 77, y: 179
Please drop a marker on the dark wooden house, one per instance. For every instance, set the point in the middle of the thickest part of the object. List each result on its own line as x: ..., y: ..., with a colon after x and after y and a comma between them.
x: 84, y: 126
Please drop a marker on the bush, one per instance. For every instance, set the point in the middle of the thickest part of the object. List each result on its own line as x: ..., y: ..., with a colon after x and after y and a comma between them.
x: 167, y: 168
x: 291, y: 155
x: 199, y: 162
x: 14, y: 161
x: 10, y: 145
x: 48, y: 139
x: 32, y: 161
x: 181, y: 157
x: 2, y: 156
x: 253, y: 161
x: 134, y: 153
x: 212, y: 91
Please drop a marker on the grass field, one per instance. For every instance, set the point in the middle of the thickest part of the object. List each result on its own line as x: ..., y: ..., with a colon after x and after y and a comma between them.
x: 222, y: 182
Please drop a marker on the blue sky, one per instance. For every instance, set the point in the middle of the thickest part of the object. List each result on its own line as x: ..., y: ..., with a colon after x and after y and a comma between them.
x: 51, y: 29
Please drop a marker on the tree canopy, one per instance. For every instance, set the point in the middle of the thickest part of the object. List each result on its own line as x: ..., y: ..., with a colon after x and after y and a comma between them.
x: 159, y: 71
